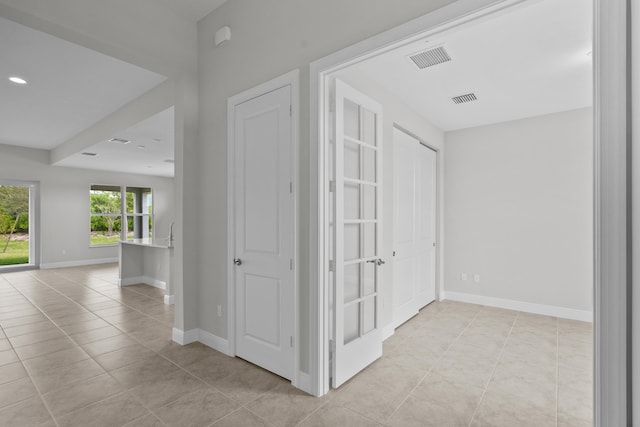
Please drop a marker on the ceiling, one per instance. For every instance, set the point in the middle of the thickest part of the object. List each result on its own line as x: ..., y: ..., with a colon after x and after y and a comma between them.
x: 193, y: 10
x: 529, y: 60
x: 150, y: 150
x: 69, y: 87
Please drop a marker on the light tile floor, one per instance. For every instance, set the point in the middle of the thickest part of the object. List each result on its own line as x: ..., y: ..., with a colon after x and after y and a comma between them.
x: 75, y: 350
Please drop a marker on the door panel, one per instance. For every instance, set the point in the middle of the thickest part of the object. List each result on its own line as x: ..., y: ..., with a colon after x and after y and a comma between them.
x: 264, y: 232
x: 426, y: 226
x: 357, y: 222
x: 414, y: 226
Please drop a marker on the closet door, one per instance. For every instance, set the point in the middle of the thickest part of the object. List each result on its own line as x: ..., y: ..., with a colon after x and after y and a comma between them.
x: 404, y: 227
x: 414, y: 273
x: 425, y: 237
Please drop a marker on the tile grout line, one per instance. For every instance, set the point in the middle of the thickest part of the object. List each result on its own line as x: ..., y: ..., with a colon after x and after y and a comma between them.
x: 35, y: 386
x: 127, y: 391
x: 80, y: 346
x: 486, y: 386
x: 438, y: 361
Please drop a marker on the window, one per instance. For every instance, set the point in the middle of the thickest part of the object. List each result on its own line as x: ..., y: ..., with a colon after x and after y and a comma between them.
x: 120, y: 213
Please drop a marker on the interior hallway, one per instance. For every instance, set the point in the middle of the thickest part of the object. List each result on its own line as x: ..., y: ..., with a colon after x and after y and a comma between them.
x: 76, y: 350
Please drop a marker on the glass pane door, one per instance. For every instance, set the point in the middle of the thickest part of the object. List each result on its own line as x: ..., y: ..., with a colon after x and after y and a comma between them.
x: 357, y: 204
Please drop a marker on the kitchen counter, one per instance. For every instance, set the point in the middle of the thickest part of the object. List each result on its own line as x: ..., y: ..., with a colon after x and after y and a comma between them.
x: 148, y: 261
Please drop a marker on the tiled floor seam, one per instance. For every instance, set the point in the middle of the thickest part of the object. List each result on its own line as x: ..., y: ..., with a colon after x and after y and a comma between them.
x: 486, y: 386
x: 432, y: 366
x: 92, y: 357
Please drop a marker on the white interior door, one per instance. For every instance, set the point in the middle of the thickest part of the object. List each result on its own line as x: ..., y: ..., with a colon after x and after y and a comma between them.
x: 414, y: 273
x: 405, y: 269
x: 264, y: 232
x: 357, y: 335
x: 425, y: 243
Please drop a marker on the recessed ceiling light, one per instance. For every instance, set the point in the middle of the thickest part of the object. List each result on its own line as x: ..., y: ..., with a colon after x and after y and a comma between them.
x: 140, y: 147
x: 86, y: 153
x: 157, y: 139
x: 18, y: 80
x: 119, y: 141
x: 169, y: 161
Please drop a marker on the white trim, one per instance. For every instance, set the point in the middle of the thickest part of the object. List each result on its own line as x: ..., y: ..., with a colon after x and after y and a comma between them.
x: 612, y: 399
x: 142, y: 279
x: 291, y: 79
x: 527, y: 307
x: 79, y: 263
x: 388, y: 331
x: 184, y: 337
x: 206, y: 338
x: 169, y: 299
x: 449, y: 16
x: 214, y: 341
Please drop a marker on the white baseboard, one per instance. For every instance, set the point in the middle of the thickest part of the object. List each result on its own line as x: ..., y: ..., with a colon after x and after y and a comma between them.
x: 169, y: 299
x: 527, y: 307
x: 142, y: 279
x: 387, y: 331
x: 206, y: 338
x: 214, y: 341
x: 184, y: 337
x: 303, y: 382
x: 79, y: 263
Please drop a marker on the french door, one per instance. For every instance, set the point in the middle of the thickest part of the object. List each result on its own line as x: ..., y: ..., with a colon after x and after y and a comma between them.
x: 357, y: 233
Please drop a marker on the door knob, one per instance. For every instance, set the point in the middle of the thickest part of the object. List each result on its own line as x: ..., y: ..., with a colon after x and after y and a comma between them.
x: 237, y: 261
x: 379, y: 261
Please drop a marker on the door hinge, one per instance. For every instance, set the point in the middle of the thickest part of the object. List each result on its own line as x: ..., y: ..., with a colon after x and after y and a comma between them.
x: 291, y: 187
x: 332, y: 186
x: 290, y: 110
x: 332, y: 265
x: 332, y: 346
x: 291, y: 341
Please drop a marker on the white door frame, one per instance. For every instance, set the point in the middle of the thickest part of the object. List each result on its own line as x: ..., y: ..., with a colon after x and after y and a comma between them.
x: 291, y: 79
x: 612, y: 251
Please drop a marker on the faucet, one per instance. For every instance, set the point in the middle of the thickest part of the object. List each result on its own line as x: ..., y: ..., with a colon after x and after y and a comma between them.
x: 171, y: 234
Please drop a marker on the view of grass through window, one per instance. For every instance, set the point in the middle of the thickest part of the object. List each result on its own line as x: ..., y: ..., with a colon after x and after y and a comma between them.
x: 14, y: 225
x: 107, y: 213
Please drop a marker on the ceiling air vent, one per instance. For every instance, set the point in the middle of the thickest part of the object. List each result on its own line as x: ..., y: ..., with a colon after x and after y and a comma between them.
x: 119, y: 141
x: 86, y: 153
x: 469, y: 97
x: 430, y: 57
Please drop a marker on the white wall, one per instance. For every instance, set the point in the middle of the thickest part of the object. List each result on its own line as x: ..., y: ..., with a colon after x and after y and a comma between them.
x: 268, y: 39
x: 519, y: 211
x: 64, y: 203
x: 396, y: 113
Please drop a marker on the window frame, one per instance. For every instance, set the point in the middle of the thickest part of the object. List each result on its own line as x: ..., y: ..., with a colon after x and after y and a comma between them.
x: 123, y: 213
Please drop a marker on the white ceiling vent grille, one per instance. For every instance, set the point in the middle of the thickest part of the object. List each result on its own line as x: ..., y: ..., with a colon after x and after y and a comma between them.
x: 469, y: 97
x: 119, y: 141
x: 430, y: 57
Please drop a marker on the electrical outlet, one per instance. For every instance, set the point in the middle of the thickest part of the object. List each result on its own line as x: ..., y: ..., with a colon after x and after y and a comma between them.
x: 476, y: 278
x: 463, y: 276
x: 219, y: 311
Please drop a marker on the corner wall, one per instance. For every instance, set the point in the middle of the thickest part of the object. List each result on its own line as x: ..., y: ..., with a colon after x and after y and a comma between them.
x: 64, y: 204
x: 519, y: 212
